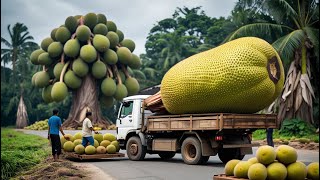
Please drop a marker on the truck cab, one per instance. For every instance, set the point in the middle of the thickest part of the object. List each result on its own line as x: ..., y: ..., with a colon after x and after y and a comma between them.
x: 129, y: 120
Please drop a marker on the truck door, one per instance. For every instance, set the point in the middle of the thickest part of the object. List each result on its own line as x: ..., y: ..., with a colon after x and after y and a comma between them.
x: 125, y: 120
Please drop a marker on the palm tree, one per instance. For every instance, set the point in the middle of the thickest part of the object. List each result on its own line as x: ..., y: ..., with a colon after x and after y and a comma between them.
x: 19, y: 42
x: 297, y: 21
x: 18, y: 52
x: 176, y: 48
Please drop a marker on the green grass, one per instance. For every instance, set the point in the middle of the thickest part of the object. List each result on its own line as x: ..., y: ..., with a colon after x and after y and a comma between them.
x: 261, y: 134
x: 20, y: 151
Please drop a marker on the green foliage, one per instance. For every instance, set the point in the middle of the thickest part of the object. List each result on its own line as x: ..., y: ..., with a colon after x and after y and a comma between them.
x: 187, y: 32
x: 296, y: 127
x: 20, y: 151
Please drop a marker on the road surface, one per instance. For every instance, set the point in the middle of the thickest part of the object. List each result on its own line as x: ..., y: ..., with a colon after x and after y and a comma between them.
x: 153, y: 168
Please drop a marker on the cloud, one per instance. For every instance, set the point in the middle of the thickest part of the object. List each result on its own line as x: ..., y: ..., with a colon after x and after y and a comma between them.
x: 133, y: 18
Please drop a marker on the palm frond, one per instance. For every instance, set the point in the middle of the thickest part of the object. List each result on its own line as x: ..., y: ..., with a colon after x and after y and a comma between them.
x: 30, y: 44
x: 313, y: 35
x: 314, y: 11
x: 256, y: 28
x: 287, y: 45
x: 12, y: 103
x: 4, y: 41
x: 280, y: 9
x: 166, y: 63
x: 6, y: 58
x: 5, y: 51
x: 24, y: 39
x: 149, y: 71
x: 139, y: 74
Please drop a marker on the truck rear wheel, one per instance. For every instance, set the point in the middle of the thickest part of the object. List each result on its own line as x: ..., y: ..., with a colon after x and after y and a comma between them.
x: 135, y: 150
x: 228, y: 154
x: 191, y: 151
x: 166, y: 155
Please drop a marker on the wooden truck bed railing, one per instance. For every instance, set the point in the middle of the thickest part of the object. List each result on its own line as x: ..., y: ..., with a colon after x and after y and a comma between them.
x: 213, y: 121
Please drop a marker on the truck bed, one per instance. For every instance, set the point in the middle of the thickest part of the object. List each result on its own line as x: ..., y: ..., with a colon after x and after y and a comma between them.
x: 212, y: 121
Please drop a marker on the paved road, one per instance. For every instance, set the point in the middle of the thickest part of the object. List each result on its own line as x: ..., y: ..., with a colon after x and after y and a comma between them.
x: 153, y: 168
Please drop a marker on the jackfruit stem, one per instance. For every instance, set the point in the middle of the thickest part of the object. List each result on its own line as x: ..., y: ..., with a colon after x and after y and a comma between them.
x: 73, y: 36
x: 117, y: 74
x: 125, y: 70
x: 98, y: 57
x: 43, y: 68
x: 109, y: 71
x: 64, y: 69
x: 81, y: 20
x: 62, y: 58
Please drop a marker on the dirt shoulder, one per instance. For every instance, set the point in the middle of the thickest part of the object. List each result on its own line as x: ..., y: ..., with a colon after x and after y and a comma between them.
x: 64, y: 169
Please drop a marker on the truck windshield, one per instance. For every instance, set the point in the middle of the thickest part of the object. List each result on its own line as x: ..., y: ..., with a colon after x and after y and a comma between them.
x: 127, y: 108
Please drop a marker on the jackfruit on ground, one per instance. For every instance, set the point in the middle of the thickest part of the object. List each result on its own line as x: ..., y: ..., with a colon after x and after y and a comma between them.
x: 242, y: 76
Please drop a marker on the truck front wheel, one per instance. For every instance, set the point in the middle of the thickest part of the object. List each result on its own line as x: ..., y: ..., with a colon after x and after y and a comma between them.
x: 135, y: 150
x: 191, y: 151
x: 227, y: 154
x: 166, y: 155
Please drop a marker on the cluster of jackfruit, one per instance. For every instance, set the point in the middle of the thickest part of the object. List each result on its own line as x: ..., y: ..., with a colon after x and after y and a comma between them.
x: 86, y: 45
x: 39, y: 125
x: 241, y: 76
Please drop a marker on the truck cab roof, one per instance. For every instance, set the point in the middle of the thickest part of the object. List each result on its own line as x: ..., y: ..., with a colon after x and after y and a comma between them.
x: 135, y: 97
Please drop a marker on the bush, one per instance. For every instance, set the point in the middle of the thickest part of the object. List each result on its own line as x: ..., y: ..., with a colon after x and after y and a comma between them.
x: 296, y: 127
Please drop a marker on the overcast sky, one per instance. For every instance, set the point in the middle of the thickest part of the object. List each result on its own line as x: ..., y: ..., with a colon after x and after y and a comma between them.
x: 134, y: 18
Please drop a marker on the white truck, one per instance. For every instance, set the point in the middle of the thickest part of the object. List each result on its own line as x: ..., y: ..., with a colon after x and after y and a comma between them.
x: 195, y: 136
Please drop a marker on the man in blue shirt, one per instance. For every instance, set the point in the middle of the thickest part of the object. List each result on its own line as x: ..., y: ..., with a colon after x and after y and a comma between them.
x: 53, y: 134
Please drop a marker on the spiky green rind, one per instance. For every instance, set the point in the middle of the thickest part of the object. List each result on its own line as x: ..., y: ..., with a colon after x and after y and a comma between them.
x: 110, y: 57
x: 63, y: 34
x: 59, y: 91
x: 99, y: 69
x: 108, y: 87
x: 55, y: 49
x: 45, y: 43
x: 80, y: 68
x: 88, y: 53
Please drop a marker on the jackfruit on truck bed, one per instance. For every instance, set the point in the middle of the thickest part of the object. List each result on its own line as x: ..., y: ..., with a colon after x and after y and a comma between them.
x: 241, y: 76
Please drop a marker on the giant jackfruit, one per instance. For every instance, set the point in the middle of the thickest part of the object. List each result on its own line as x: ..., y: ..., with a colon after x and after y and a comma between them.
x: 241, y: 76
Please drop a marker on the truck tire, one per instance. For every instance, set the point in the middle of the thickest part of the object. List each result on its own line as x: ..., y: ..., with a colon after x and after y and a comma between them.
x: 228, y: 154
x: 135, y: 150
x: 191, y: 151
x: 166, y: 155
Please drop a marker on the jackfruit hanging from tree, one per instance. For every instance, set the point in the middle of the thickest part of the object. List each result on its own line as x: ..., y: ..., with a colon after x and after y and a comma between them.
x: 85, y: 52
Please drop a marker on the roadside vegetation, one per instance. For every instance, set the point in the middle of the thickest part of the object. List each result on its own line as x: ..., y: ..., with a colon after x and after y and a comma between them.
x: 20, y: 152
x: 291, y: 130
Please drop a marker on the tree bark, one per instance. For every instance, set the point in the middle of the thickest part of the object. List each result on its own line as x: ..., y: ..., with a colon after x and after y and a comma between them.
x: 297, y: 96
x: 22, y: 115
x: 85, y: 99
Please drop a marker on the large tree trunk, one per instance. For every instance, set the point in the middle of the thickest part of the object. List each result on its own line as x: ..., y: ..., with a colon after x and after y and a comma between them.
x: 86, y: 99
x: 297, y: 96
x: 22, y: 115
